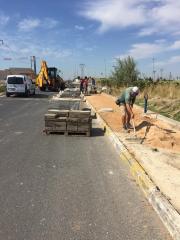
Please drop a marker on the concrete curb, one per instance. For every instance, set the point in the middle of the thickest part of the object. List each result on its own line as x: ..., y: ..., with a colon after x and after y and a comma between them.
x: 167, y: 213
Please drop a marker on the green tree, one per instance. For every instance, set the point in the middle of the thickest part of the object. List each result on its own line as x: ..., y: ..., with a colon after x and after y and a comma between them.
x: 125, y: 72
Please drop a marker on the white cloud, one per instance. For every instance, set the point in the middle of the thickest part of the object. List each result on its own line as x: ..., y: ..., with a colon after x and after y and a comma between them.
x: 29, y: 24
x: 145, y: 50
x: 151, y: 16
x: 23, y: 48
x: 114, y: 13
x: 150, y: 50
x: 80, y: 28
x: 4, y: 19
x: 147, y: 31
x: 171, y: 61
x: 174, y: 59
x: 175, y: 45
x: 55, y: 52
x: 50, y: 23
x: 89, y: 49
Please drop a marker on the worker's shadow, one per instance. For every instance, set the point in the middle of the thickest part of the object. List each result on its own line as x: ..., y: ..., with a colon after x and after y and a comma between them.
x: 144, y: 124
x: 97, y: 132
x: 148, y: 125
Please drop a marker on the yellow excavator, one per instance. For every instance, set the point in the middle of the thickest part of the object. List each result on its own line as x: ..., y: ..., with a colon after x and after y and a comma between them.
x: 48, y: 79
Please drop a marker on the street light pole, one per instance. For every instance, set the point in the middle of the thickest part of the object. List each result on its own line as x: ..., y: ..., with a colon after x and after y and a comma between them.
x: 161, y: 70
x: 154, y: 71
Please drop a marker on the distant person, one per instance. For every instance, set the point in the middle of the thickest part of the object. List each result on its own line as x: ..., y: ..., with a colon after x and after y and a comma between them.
x: 81, y: 85
x: 93, y: 82
x: 86, y: 84
x: 90, y: 79
x: 127, y: 100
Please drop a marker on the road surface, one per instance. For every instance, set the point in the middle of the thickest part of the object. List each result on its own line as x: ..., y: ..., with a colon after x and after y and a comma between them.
x: 65, y: 188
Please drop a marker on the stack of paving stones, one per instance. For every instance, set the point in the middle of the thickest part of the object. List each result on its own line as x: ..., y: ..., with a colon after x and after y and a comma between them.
x: 68, y: 121
x: 64, y: 104
x: 79, y: 122
x: 74, y: 93
x: 56, y: 120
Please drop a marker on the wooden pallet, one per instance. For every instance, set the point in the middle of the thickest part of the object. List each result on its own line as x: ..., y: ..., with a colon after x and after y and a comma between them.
x: 49, y: 130
x: 78, y: 133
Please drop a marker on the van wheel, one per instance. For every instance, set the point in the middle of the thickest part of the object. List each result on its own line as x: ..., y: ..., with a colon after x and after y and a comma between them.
x: 27, y: 93
x: 7, y: 94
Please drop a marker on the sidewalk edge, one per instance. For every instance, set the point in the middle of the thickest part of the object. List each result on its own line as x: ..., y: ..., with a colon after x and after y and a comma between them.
x: 167, y: 213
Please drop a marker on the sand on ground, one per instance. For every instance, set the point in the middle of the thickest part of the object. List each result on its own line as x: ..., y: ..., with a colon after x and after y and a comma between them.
x: 159, y: 153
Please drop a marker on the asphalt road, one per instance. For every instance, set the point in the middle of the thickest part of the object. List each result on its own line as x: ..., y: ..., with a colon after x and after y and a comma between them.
x: 65, y: 188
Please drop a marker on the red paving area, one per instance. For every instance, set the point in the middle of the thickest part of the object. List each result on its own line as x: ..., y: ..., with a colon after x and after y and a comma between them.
x: 159, y: 133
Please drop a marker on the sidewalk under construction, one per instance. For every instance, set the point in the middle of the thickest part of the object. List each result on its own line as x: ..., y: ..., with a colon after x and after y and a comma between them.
x: 157, y: 153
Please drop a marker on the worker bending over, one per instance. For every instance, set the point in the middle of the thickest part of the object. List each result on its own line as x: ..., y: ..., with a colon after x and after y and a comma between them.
x: 126, y: 101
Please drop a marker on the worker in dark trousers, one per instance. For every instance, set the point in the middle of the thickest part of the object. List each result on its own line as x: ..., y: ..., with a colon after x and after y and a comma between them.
x: 126, y: 101
x: 81, y: 85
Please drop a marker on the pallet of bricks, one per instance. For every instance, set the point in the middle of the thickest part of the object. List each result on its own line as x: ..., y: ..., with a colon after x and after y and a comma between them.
x: 68, y: 122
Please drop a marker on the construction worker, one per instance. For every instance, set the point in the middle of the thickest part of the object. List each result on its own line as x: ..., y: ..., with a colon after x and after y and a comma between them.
x: 126, y: 100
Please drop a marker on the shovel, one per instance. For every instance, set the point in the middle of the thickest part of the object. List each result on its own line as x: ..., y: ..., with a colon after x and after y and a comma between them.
x: 134, y: 138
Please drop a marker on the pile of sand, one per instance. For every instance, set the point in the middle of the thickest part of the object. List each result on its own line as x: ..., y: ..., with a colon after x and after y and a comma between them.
x: 159, y: 134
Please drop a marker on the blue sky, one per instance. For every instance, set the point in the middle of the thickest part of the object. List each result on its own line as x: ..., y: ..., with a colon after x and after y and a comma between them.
x: 93, y: 32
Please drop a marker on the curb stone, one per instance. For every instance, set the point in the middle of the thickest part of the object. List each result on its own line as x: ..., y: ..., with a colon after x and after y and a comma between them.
x: 167, y: 213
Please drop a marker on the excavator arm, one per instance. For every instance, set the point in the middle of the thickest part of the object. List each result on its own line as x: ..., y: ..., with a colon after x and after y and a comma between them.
x: 42, y: 78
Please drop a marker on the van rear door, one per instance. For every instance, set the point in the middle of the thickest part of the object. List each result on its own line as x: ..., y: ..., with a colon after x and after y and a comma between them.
x: 15, y: 84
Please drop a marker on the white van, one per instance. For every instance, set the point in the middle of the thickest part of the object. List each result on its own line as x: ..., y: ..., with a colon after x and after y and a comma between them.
x: 19, y: 85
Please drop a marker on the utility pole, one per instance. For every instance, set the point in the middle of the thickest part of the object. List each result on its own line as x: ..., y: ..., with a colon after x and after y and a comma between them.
x: 105, y: 68
x: 34, y: 58
x: 161, y: 71
x: 33, y: 63
x: 154, y: 71
x: 170, y: 76
x: 82, y: 67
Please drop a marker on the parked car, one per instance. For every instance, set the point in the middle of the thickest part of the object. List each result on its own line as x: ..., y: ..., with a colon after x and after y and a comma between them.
x: 19, y: 85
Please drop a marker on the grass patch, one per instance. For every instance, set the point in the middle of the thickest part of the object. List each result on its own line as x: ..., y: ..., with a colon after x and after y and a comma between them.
x: 163, y: 98
x: 177, y: 116
x: 2, y: 88
x: 166, y: 107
